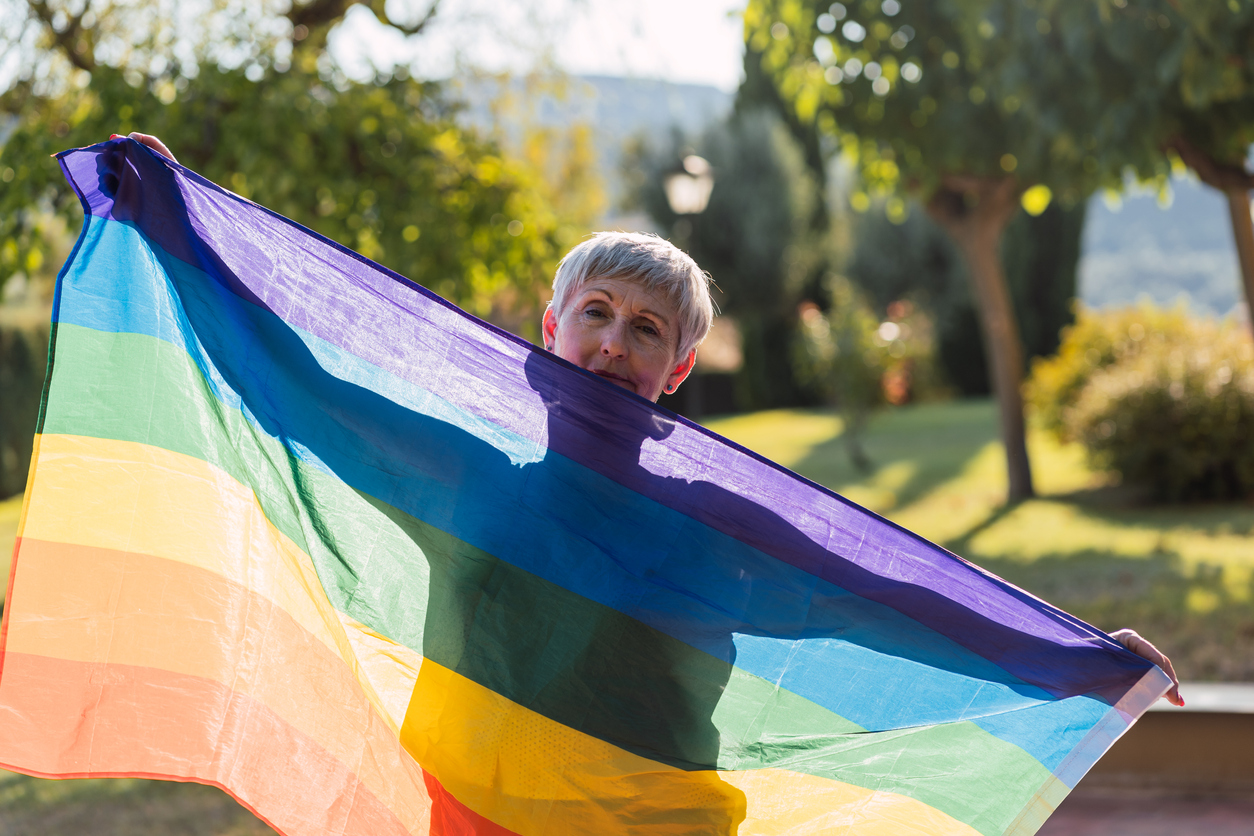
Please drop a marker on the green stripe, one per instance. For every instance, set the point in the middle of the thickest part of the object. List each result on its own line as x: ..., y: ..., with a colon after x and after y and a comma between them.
x: 573, y: 660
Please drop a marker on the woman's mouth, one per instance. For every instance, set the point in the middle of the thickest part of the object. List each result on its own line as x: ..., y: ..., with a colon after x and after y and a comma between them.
x: 616, y: 379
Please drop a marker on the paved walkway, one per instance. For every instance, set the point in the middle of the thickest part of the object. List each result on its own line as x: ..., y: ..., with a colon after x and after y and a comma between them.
x: 1105, y: 815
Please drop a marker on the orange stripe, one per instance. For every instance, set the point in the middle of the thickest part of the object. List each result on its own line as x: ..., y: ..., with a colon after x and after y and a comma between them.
x: 103, y: 606
x: 75, y: 719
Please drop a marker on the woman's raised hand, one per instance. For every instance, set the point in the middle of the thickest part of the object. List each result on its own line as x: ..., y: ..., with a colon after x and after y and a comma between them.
x: 152, y: 142
x: 1132, y: 640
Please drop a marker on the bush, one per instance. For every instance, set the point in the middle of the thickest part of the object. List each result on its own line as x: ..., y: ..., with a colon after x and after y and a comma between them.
x: 1097, y: 340
x: 1175, y: 413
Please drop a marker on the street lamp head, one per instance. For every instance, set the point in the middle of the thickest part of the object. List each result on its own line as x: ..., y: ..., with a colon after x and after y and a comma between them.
x: 688, y: 190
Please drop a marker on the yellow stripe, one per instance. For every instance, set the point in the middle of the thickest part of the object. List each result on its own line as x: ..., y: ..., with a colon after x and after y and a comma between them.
x: 783, y: 803
x: 1039, y: 808
x: 533, y: 776
x: 138, y: 498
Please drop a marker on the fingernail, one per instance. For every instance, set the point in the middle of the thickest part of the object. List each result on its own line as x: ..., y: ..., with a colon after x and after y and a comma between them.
x: 117, y: 136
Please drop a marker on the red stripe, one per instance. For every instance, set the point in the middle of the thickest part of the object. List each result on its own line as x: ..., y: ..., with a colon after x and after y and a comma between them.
x: 449, y: 817
x: 77, y: 720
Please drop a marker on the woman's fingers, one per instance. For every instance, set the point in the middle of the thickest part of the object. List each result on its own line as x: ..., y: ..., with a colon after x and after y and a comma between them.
x: 153, y: 143
x: 1133, y: 641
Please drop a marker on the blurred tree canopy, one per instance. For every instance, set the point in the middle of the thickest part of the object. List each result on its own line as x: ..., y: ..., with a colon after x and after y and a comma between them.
x: 912, y: 258
x: 756, y: 238
x: 248, y: 96
x: 975, y: 107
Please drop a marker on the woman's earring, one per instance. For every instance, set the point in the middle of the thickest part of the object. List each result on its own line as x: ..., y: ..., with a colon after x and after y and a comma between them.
x: 670, y: 389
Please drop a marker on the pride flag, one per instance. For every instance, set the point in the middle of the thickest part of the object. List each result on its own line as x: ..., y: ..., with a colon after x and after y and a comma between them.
x: 298, y: 528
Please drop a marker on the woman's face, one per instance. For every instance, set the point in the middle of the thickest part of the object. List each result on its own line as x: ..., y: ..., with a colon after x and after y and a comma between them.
x: 621, y: 331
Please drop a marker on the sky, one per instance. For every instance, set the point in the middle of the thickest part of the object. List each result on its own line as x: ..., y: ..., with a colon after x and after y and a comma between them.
x: 685, y: 41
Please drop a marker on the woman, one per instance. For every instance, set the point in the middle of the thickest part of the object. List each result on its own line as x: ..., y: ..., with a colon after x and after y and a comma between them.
x: 632, y: 309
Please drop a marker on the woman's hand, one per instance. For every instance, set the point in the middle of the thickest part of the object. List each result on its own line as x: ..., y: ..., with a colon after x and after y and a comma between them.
x: 1133, y: 641
x: 153, y: 143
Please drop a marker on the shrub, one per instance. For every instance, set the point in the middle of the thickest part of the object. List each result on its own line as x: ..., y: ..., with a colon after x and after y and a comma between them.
x: 1175, y: 414
x: 1098, y: 339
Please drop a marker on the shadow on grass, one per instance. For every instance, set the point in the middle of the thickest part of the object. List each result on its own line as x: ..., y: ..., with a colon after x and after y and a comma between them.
x: 1131, y: 506
x: 1193, y: 614
x: 935, y: 441
x: 120, y: 807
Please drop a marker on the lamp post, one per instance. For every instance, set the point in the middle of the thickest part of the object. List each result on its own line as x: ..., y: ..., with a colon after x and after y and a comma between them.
x: 688, y: 193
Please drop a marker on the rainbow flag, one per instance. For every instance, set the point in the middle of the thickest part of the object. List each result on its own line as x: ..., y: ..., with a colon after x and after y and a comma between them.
x: 300, y: 529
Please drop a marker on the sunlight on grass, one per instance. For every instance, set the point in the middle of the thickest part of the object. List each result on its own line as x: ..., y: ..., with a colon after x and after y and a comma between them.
x: 1182, y: 574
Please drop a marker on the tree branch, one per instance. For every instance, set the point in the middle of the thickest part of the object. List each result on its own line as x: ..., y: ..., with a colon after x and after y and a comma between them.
x: 318, y: 13
x: 377, y: 6
x: 68, y: 39
x: 1222, y: 176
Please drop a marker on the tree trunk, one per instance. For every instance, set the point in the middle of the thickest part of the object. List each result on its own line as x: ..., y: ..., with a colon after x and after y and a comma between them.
x: 975, y: 211
x: 1243, y: 232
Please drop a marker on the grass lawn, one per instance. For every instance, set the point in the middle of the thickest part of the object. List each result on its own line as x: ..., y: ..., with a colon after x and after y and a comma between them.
x: 120, y: 807
x: 10, y: 510
x: 1180, y: 575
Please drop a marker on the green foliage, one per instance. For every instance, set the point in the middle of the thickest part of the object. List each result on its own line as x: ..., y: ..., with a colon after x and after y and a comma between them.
x: 1050, y: 91
x: 381, y: 168
x: 1214, y: 82
x: 839, y: 354
x: 1098, y: 339
x: 23, y: 360
x: 1175, y: 415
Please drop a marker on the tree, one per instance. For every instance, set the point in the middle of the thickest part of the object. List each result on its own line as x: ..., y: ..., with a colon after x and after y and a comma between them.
x: 381, y: 167
x: 973, y: 108
x: 1213, y: 98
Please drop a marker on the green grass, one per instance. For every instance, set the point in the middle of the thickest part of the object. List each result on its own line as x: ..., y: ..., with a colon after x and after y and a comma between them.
x: 119, y: 807
x: 1180, y: 575
x: 10, y: 510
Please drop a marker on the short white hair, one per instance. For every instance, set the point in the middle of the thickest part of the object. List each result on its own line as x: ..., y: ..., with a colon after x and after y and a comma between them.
x: 649, y: 260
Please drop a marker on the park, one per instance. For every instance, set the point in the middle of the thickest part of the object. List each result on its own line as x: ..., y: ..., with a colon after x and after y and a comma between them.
x: 917, y: 218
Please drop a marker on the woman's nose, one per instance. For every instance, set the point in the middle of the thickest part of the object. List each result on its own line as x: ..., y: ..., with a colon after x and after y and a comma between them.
x: 614, y: 340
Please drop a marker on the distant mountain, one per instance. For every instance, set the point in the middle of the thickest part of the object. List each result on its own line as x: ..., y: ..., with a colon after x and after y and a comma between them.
x: 1140, y: 249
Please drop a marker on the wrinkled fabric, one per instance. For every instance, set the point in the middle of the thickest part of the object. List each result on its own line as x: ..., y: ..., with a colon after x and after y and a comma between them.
x: 300, y: 529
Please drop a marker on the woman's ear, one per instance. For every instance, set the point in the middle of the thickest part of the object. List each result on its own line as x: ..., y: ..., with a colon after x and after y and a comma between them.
x: 681, y: 372
x: 548, y: 329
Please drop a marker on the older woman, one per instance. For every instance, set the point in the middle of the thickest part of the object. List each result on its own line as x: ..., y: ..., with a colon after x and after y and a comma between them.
x: 632, y: 308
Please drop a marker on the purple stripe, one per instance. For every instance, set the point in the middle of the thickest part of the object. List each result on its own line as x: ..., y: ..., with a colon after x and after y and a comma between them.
x: 273, y: 263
